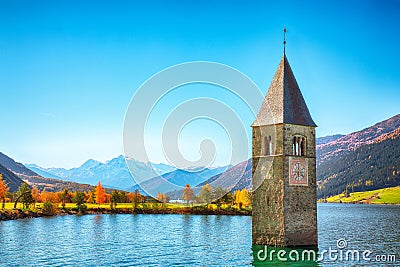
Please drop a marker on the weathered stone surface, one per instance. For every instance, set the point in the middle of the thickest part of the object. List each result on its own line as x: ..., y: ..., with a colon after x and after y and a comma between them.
x: 283, y: 214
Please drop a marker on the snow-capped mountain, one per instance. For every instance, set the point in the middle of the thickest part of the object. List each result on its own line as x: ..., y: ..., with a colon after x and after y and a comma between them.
x: 113, y: 173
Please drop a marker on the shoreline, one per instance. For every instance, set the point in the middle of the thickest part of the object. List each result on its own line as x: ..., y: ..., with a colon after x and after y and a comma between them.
x: 356, y: 203
x: 15, y: 214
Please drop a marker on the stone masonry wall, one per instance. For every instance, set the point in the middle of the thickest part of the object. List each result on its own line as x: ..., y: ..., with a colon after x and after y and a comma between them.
x: 300, y: 203
x: 268, y: 223
x: 283, y: 215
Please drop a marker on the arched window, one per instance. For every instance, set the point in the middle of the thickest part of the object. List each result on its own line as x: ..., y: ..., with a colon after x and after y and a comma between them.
x: 294, y: 146
x: 266, y: 146
x: 303, y: 146
x: 299, y: 146
x: 270, y: 145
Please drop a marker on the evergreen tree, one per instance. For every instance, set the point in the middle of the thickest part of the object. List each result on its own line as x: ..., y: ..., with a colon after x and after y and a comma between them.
x: 79, y: 200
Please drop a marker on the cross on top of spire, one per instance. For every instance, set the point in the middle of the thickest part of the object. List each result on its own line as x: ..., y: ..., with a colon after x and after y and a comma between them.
x: 284, y: 40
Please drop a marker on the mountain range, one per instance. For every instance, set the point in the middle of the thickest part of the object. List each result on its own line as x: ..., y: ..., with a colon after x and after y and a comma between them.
x: 351, y: 142
x: 235, y: 178
x: 177, y: 179
x: 113, y: 173
x: 364, y: 160
x: 116, y: 174
x: 16, y: 173
x: 327, y: 139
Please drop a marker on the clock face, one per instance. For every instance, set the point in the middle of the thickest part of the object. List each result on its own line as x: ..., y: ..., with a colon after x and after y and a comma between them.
x: 298, y: 173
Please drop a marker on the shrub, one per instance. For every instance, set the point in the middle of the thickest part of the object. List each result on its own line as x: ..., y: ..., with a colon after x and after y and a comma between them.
x: 49, y: 208
x: 82, y: 208
x: 203, y: 207
x: 79, y: 199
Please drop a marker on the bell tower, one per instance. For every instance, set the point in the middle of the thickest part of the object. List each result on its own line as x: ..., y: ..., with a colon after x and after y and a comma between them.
x: 284, y: 166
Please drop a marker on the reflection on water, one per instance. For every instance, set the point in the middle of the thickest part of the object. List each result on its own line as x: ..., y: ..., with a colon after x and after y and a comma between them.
x: 182, y: 240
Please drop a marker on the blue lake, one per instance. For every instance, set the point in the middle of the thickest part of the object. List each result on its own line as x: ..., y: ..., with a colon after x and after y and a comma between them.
x: 187, y: 240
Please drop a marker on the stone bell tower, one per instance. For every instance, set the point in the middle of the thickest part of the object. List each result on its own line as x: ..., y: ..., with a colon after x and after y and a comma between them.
x: 284, y: 167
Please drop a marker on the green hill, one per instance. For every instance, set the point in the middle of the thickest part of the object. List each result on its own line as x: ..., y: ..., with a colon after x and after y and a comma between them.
x: 389, y: 195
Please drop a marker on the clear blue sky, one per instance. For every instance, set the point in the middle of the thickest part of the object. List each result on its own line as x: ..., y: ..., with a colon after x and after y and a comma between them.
x: 68, y: 69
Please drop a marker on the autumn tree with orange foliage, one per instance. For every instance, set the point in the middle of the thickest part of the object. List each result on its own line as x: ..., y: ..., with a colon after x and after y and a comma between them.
x: 3, y: 190
x: 36, y: 194
x: 108, y: 198
x: 187, y: 193
x: 65, y: 197
x: 49, y: 197
x: 100, y: 194
x: 90, y: 197
x: 130, y: 196
x: 136, y: 198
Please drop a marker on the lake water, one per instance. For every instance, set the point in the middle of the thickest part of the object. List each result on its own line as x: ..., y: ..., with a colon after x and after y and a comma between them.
x: 183, y: 240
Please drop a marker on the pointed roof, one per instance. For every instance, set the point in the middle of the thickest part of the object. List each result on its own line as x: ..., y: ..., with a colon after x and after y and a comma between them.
x: 284, y: 102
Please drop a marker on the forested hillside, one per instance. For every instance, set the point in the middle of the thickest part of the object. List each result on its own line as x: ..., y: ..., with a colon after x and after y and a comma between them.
x: 372, y: 165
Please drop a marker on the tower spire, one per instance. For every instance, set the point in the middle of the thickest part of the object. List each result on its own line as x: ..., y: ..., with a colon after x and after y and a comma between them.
x: 284, y: 40
x: 284, y: 102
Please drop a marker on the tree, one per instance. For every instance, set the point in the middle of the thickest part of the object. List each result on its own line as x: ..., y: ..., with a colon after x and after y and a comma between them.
x: 3, y: 190
x: 100, y: 194
x: 238, y: 199
x: 91, y: 197
x: 130, y: 196
x: 123, y: 197
x: 49, y: 208
x: 242, y: 198
x: 136, y: 198
x: 187, y: 193
x: 114, y: 199
x: 218, y: 195
x: 36, y: 194
x: 228, y: 199
x: 79, y: 200
x: 24, y: 195
x: 64, y: 197
x: 49, y: 197
x: 163, y: 198
x: 206, y: 194
x: 108, y: 198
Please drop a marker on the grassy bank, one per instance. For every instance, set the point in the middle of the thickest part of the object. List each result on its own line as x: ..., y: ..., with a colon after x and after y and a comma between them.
x: 389, y: 195
x: 9, y: 213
